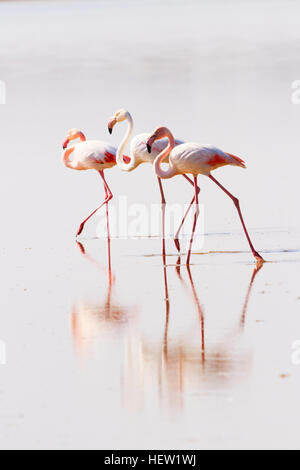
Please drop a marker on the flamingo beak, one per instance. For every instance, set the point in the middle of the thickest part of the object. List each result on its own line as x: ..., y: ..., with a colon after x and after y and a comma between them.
x: 150, y: 142
x: 65, y: 144
x: 111, y: 125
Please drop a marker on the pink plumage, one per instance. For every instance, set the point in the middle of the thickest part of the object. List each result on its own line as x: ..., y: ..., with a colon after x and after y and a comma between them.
x: 89, y: 155
x: 196, y: 159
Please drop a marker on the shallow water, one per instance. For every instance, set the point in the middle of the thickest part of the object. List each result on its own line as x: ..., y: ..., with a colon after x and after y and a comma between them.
x: 154, y: 357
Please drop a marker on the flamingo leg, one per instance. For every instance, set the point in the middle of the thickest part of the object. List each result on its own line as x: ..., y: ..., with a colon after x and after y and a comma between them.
x: 107, y: 194
x: 108, y: 197
x: 176, y: 238
x: 108, y: 234
x: 163, y: 213
x: 237, y: 205
x: 195, y: 220
x: 201, y: 314
x: 163, y: 209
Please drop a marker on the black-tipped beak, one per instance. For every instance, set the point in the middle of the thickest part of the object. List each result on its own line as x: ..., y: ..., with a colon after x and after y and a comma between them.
x: 111, y: 124
x: 149, y: 148
x: 65, y: 144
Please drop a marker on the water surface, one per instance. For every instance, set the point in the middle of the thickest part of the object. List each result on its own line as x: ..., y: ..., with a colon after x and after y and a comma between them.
x: 150, y: 357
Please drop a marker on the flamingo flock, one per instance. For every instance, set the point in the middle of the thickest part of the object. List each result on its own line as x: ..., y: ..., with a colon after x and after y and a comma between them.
x: 159, y: 147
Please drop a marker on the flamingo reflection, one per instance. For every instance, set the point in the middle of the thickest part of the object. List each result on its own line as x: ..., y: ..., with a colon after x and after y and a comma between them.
x: 185, y: 361
x: 195, y: 367
x: 91, y: 319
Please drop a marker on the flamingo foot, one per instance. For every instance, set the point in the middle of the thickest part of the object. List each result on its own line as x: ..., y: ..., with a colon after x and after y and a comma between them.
x: 81, y: 247
x: 81, y: 227
x: 177, y: 244
x: 258, y: 257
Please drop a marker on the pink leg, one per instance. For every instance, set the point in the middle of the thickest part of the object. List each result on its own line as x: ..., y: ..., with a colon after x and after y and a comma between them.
x: 107, y: 194
x: 176, y: 239
x: 108, y: 198
x: 200, y: 312
x: 163, y: 211
x: 108, y: 235
x: 195, y: 220
x: 237, y: 205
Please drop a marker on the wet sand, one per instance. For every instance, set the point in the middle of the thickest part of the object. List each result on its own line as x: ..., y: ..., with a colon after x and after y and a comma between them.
x: 149, y: 357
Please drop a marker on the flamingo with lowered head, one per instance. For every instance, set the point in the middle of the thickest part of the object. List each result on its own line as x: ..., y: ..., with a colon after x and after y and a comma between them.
x: 90, y: 155
x: 196, y: 159
x: 139, y: 154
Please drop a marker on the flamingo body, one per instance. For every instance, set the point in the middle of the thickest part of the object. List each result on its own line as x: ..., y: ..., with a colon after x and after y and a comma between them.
x: 92, y: 155
x: 200, y: 159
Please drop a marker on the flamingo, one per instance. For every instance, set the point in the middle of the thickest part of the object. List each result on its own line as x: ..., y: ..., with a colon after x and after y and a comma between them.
x: 196, y: 159
x: 89, y: 155
x: 139, y: 155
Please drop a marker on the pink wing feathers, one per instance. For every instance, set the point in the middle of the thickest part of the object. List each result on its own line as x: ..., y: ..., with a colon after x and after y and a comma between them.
x: 111, y: 158
x: 217, y: 160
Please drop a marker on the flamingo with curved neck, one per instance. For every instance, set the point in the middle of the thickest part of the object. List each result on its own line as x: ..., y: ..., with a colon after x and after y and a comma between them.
x: 139, y: 154
x: 196, y: 159
x: 171, y: 171
x: 134, y: 161
x: 72, y: 135
x: 89, y: 155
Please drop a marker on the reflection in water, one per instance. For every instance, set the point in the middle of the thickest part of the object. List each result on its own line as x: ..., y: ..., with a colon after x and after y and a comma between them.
x: 256, y: 270
x: 169, y: 368
x: 88, y: 318
x: 190, y: 369
x: 196, y: 302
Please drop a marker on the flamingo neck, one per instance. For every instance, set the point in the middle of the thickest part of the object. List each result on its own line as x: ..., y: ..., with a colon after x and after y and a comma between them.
x: 121, y: 149
x: 66, y: 158
x: 170, y: 172
x: 66, y: 155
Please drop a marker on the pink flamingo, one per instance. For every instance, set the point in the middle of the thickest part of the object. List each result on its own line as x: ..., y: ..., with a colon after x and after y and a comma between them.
x: 90, y: 155
x: 196, y: 159
x: 139, y: 155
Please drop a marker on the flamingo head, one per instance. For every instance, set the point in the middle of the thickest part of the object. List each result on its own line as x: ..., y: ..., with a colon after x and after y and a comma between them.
x: 119, y: 116
x: 158, y: 134
x: 73, y: 134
